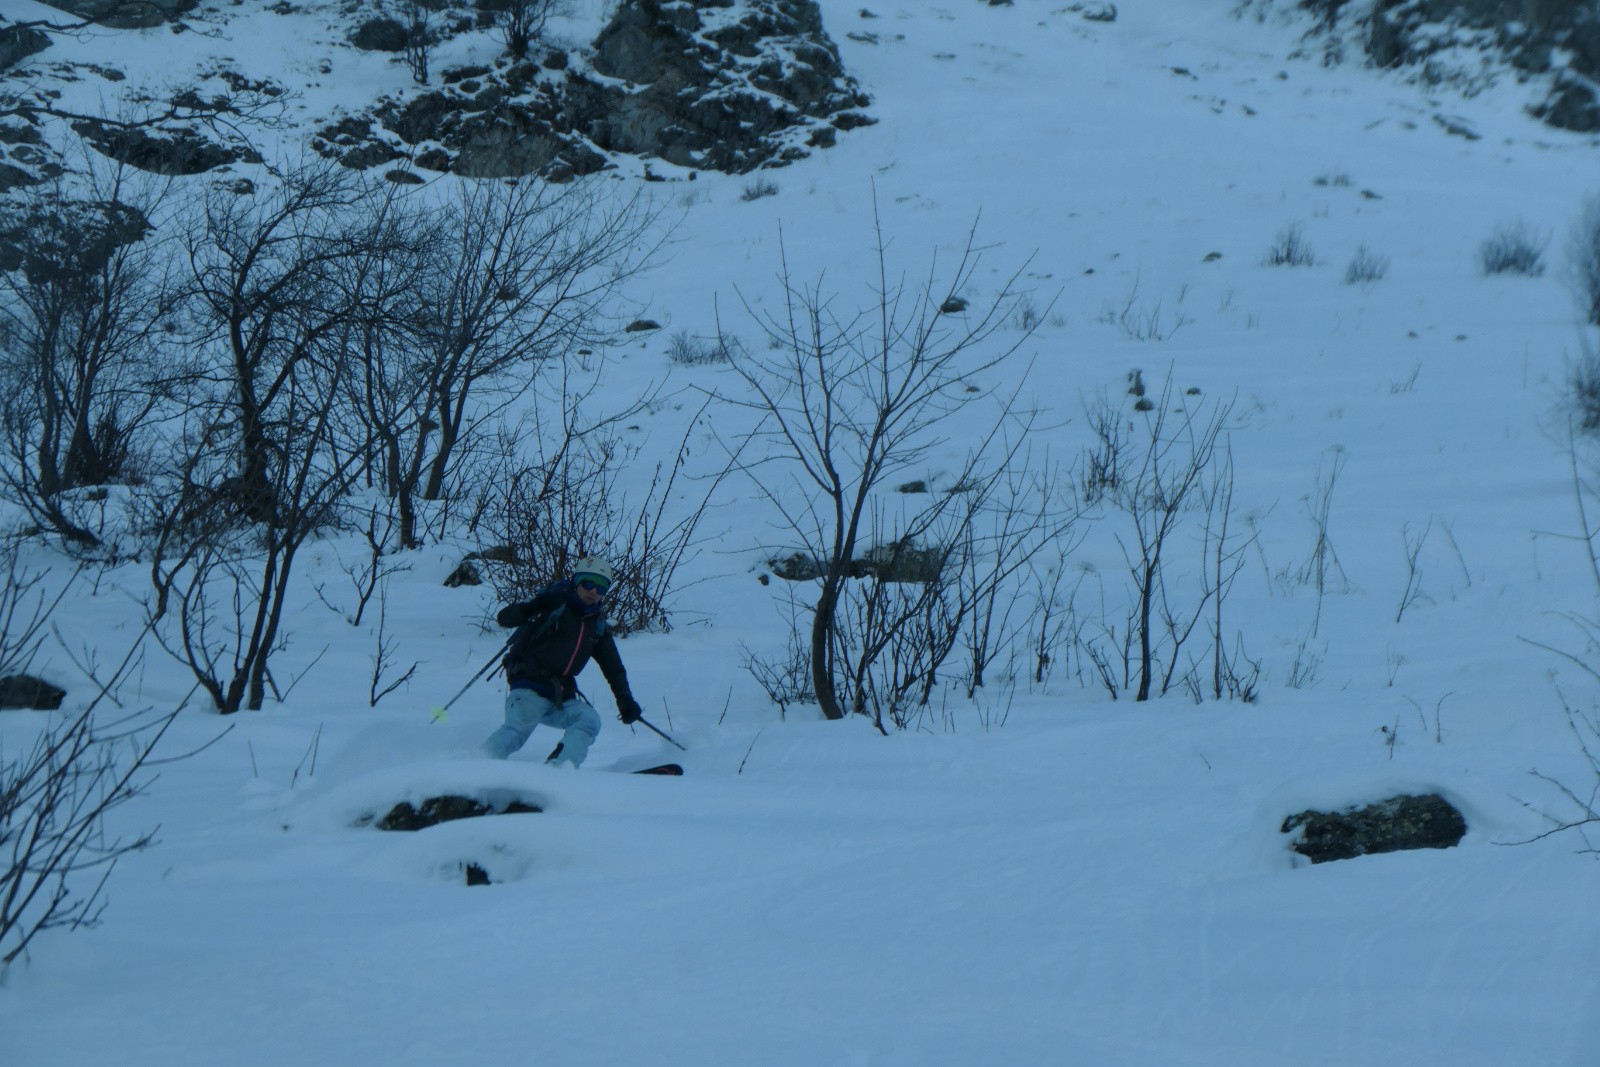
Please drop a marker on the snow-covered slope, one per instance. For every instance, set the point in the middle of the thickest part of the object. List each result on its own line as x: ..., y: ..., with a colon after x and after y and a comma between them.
x: 1043, y: 876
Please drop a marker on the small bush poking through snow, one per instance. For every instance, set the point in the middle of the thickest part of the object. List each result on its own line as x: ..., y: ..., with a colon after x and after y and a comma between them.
x: 1583, y: 258
x: 1513, y: 248
x: 1583, y: 379
x: 1365, y: 267
x: 1290, y: 249
x: 687, y: 350
x: 1026, y: 315
x: 758, y: 189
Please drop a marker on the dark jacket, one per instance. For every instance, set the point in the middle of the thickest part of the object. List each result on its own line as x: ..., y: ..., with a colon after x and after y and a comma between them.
x: 557, y: 634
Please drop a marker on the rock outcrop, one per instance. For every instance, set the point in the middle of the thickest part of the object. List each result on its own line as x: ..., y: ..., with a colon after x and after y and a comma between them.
x: 1558, y: 39
x: 125, y: 14
x: 703, y: 84
x: 26, y: 691
x: 1401, y: 822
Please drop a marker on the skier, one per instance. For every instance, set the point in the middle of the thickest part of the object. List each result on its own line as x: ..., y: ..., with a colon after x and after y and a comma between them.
x: 558, y: 631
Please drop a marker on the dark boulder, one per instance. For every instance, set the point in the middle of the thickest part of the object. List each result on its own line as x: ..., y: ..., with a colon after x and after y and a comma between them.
x: 176, y: 152
x: 797, y: 567
x: 448, y: 808
x: 1573, y: 104
x: 56, y: 238
x: 380, y: 34
x: 464, y: 576
x: 25, y: 691
x: 714, y: 89
x: 125, y: 14
x: 900, y: 561
x: 18, y: 43
x: 1392, y: 825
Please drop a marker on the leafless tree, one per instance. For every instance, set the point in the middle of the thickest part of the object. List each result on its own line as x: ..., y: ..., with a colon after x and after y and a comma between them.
x: 1583, y: 259
x: 850, y: 401
x: 1413, y: 552
x: 55, y: 794
x: 945, y: 591
x: 1168, y: 476
x: 268, y: 303
x: 418, y: 22
x: 84, y: 308
x: 286, y: 293
x: 53, y: 804
x: 1233, y: 673
x: 1322, y: 567
x: 226, y: 582
x: 522, y: 22
x: 520, y: 277
x: 1024, y: 515
x: 564, y: 502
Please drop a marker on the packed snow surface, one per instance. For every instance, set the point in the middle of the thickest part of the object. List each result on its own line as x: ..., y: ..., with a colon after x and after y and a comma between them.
x: 1042, y: 875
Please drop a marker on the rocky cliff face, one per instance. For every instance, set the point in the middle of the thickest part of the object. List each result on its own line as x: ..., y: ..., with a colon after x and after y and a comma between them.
x: 703, y: 84
x: 727, y: 85
x: 1559, y: 39
x: 124, y: 14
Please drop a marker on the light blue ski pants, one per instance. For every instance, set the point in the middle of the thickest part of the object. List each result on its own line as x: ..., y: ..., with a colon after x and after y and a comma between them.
x: 526, y: 709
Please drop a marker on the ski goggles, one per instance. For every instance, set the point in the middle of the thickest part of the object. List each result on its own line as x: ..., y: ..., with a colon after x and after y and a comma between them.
x: 594, y: 585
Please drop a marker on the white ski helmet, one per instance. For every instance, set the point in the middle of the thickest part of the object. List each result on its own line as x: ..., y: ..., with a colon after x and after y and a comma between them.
x: 593, y: 567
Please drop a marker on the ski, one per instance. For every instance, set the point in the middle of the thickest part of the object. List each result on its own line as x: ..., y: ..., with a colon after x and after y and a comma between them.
x: 665, y: 768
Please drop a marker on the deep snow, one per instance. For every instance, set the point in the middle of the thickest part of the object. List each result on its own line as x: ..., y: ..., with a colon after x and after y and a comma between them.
x: 1048, y: 877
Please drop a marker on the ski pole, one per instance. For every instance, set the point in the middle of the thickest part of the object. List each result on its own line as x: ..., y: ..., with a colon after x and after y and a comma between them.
x: 668, y: 738
x: 481, y: 672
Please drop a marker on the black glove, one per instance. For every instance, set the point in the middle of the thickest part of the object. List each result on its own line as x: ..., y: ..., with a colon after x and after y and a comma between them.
x: 630, y: 711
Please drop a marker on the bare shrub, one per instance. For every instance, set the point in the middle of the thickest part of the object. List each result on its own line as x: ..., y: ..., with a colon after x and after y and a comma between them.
x: 1513, y: 248
x: 285, y: 289
x: 1173, y: 469
x: 1583, y: 259
x: 786, y: 677
x: 892, y: 638
x: 26, y: 604
x: 687, y: 350
x: 1413, y: 552
x: 851, y: 404
x: 1366, y: 267
x: 567, y: 504
x: 523, y: 284
x: 1138, y: 320
x: 53, y: 804
x: 1581, y: 800
x: 1290, y: 249
x: 521, y: 22
x: 759, y: 188
x: 54, y: 797
x: 1583, y: 385
x: 82, y: 352
x: 1322, y: 566
x: 221, y: 582
x: 1026, y: 317
x: 270, y: 310
x: 1100, y: 471
x: 420, y: 38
